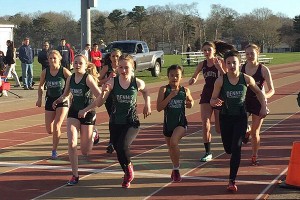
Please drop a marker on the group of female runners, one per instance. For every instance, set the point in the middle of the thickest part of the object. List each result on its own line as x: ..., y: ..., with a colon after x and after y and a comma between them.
x: 232, y: 95
x: 225, y: 93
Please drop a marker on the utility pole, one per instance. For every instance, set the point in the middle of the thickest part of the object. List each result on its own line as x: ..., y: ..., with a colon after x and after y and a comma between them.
x: 86, y: 21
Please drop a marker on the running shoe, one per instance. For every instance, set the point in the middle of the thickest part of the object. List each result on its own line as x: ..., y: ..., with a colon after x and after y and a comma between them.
x: 254, y: 161
x: 110, y: 148
x: 128, y: 176
x: 175, y: 176
x: 4, y: 93
x: 206, y: 157
x: 232, y: 186
x: 96, y: 136
x: 73, y: 181
x: 268, y: 111
x: 54, y: 154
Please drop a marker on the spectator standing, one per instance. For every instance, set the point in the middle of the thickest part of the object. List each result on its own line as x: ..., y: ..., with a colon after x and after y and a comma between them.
x: 2, y: 71
x: 43, y: 56
x: 2, y: 63
x: 102, y: 46
x: 96, y: 56
x: 87, y: 51
x: 65, y: 54
x: 10, y: 60
x: 26, y: 57
x: 188, y: 49
x: 72, y: 55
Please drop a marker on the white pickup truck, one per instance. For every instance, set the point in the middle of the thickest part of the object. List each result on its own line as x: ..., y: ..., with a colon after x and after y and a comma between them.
x: 143, y: 58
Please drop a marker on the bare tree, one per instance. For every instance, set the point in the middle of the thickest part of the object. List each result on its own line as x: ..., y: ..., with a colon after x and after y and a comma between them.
x: 220, y: 22
x: 176, y: 24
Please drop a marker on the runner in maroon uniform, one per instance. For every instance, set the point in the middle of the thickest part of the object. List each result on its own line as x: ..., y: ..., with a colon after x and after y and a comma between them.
x: 261, y: 74
x: 211, y: 68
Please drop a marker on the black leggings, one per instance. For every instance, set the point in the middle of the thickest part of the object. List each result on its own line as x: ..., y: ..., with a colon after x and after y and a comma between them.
x: 233, y: 129
x: 122, y: 136
x: 108, y: 105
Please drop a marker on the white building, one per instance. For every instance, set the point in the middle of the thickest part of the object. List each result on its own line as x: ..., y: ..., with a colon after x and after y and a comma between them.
x: 6, y: 33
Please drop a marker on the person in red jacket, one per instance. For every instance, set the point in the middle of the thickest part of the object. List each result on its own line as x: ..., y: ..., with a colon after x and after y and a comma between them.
x: 72, y: 55
x: 96, y: 56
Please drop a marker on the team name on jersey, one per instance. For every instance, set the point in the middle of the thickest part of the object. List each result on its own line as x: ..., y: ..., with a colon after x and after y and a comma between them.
x: 76, y: 92
x: 125, y: 98
x: 175, y: 103
x: 53, y: 84
x: 210, y: 74
x: 234, y: 94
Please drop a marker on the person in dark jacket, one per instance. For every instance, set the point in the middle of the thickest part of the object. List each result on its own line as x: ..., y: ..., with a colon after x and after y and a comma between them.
x: 26, y: 56
x: 43, y: 56
x: 188, y: 49
x: 65, y: 54
x: 10, y: 61
x: 2, y: 63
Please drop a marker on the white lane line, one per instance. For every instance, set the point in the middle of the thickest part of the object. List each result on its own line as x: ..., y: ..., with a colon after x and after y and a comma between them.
x: 101, y: 171
x: 45, y: 167
x: 224, y: 180
x: 275, y: 180
x: 10, y: 140
x: 49, y: 192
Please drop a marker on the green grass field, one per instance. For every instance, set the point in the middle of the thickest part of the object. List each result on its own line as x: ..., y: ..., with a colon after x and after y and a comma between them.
x: 278, y: 58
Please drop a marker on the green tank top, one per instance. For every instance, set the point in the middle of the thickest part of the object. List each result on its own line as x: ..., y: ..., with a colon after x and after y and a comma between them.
x: 174, y: 112
x: 124, y: 103
x: 55, y: 84
x: 234, y: 96
x: 81, y: 93
x: 109, y: 70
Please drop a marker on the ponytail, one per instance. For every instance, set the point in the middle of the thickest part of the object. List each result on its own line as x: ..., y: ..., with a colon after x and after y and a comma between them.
x: 223, y: 47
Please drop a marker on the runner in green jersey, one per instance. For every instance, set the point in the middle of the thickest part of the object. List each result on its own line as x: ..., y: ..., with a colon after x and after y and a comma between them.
x: 54, y: 77
x: 108, y: 71
x: 233, y: 118
x: 82, y: 86
x: 124, y: 123
x: 173, y: 98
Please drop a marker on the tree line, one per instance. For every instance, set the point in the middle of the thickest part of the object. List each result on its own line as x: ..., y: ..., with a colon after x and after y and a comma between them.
x: 170, y: 25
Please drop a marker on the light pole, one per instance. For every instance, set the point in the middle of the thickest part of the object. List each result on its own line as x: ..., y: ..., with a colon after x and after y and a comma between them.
x: 86, y: 21
x: 182, y: 48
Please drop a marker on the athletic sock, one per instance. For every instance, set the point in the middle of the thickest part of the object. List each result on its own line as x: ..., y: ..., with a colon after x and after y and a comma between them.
x: 207, y: 147
x: 176, y: 168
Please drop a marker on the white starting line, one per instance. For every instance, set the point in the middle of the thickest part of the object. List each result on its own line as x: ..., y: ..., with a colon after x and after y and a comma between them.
x: 100, y: 171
